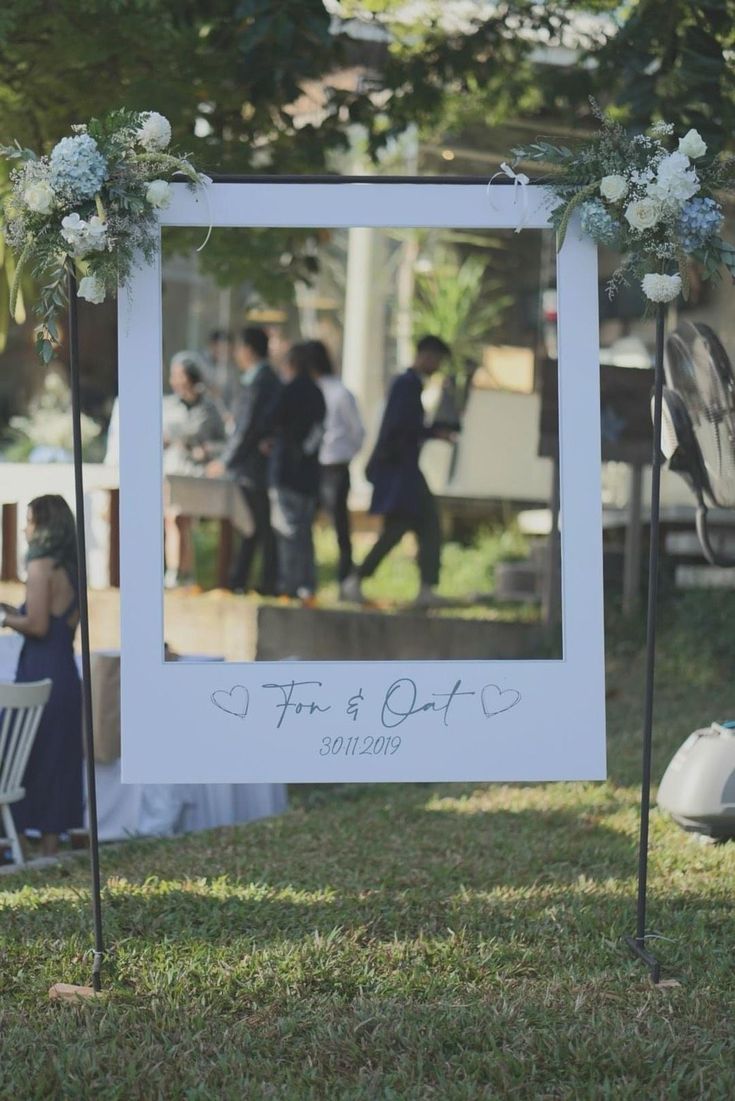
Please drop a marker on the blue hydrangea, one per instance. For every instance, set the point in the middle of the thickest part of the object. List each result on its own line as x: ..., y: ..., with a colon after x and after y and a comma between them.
x: 700, y: 219
x: 598, y: 223
x: 77, y: 167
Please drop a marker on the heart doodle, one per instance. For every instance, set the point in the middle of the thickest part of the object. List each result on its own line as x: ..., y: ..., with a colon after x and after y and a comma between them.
x: 235, y: 702
x: 496, y: 700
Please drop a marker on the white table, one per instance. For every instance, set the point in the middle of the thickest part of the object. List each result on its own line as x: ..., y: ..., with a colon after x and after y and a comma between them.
x: 190, y: 495
x: 209, y: 499
x: 163, y: 810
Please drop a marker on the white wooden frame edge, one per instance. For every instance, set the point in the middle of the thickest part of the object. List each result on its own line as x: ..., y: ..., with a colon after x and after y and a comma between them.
x: 172, y: 731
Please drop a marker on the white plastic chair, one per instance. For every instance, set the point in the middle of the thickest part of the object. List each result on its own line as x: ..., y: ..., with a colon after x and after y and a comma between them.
x: 21, y: 707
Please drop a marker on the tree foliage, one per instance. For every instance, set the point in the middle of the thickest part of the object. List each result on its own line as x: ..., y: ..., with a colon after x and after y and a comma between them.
x: 673, y: 59
x: 250, y: 86
x: 455, y: 298
x: 226, y: 73
x: 469, y: 68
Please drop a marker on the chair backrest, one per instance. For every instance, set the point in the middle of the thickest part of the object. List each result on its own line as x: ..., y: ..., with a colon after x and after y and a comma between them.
x: 21, y: 707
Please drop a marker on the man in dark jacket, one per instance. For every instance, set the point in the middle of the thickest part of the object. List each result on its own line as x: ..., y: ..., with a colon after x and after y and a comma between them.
x: 243, y: 457
x: 297, y: 429
x: 400, y: 492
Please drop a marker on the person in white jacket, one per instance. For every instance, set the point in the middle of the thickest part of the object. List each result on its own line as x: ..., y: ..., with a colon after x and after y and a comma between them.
x: 344, y: 433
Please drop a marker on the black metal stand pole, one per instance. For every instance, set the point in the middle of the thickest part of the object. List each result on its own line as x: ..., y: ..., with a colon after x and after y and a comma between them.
x: 94, y: 851
x: 637, y: 944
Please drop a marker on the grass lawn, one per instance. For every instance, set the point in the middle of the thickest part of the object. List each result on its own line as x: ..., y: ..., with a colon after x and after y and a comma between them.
x: 467, y: 570
x: 402, y: 942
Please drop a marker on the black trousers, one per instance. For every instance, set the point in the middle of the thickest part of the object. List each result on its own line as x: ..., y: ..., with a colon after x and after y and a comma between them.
x: 259, y: 504
x: 425, y: 523
x: 334, y: 488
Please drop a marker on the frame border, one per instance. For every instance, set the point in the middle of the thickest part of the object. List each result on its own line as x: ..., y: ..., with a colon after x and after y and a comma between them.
x: 171, y: 731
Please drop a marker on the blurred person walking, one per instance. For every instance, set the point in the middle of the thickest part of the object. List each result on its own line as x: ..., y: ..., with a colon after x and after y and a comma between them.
x: 400, y: 492
x: 244, y: 459
x: 296, y: 431
x: 279, y: 345
x: 222, y: 375
x: 344, y: 433
x: 48, y: 620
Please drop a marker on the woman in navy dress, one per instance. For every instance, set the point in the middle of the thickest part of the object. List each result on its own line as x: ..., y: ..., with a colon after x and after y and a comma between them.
x: 48, y: 621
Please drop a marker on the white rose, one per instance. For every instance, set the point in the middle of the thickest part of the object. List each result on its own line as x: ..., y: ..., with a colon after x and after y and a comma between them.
x: 676, y: 180
x: 159, y: 194
x: 91, y: 290
x: 39, y: 197
x: 84, y: 237
x: 661, y: 288
x: 73, y: 230
x: 692, y: 145
x: 95, y: 234
x: 73, y: 224
x: 642, y: 214
x: 613, y: 188
x: 155, y: 133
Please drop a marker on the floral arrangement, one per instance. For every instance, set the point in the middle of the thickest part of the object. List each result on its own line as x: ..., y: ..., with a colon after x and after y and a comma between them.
x: 655, y: 205
x: 47, y: 429
x: 88, y: 208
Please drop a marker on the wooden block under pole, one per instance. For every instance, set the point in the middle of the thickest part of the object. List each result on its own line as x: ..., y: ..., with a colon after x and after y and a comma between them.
x: 67, y: 992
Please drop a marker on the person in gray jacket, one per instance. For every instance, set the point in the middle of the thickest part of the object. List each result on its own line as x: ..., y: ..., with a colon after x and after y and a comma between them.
x: 245, y: 460
x: 193, y: 432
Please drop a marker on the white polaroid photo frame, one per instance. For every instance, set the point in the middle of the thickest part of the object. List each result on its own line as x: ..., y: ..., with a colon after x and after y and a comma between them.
x: 526, y: 720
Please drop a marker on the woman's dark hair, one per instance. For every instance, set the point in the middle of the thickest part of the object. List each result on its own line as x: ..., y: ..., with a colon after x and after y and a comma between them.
x: 300, y: 357
x: 321, y: 363
x: 51, y: 513
x: 55, y: 533
x: 256, y: 339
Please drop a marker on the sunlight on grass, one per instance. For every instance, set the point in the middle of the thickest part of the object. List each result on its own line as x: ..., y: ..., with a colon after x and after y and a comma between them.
x: 219, y: 888
x: 410, y: 942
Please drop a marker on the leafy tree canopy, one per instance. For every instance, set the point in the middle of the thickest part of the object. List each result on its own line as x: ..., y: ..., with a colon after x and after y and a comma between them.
x: 225, y: 72
x: 228, y: 73
x: 469, y: 67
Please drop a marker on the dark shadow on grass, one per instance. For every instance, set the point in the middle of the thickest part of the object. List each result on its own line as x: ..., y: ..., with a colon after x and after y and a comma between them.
x: 490, y: 873
x: 487, y: 938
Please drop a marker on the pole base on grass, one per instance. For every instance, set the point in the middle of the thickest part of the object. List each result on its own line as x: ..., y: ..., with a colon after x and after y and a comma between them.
x: 67, y: 992
x: 638, y: 948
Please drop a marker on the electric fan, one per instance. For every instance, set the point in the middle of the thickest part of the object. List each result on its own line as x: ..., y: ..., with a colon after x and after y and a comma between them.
x: 698, y: 441
x: 698, y: 425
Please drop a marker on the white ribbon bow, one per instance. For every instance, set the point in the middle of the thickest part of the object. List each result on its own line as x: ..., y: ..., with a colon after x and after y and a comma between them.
x: 205, y: 183
x: 520, y: 180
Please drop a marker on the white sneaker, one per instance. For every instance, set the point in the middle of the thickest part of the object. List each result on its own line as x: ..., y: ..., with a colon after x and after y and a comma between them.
x: 171, y: 579
x: 351, y: 589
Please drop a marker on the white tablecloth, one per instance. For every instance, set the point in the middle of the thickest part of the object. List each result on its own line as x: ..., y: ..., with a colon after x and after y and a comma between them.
x: 209, y: 498
x: 140, y: 810
x: 163, y: 810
